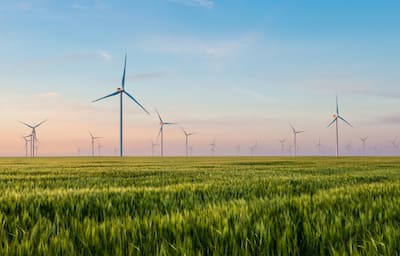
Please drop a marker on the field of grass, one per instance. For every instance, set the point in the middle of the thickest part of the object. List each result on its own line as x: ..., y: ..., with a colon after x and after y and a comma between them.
x: 200, y: 206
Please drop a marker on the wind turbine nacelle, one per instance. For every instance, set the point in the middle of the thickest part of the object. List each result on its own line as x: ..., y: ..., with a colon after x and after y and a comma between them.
x: 119, y: 89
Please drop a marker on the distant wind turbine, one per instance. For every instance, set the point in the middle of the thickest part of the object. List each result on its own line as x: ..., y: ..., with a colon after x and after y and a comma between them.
x: 253, y: 148
x: 213, y: 146
x: 121, y: 92
x: 27, y: 141
x: 394, y: 143
x: 187, y: 135
x: 99, y: 147
x: 161, y: 132
x: 153, y: 146
x: 93, y: 138
x: 33, y: 134
x: 238, y: 148
x: 336, y: 118
x: 282, y: 142
x: 349, y: 147
x: 295, y: 138
x: 364, y: 141
x: 319, y: 146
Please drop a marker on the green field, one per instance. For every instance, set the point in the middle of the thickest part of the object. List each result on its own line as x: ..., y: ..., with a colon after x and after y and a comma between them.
x: 200, y: 206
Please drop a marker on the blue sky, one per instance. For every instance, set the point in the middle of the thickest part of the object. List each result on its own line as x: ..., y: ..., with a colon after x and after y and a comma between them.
x: 237, y: 71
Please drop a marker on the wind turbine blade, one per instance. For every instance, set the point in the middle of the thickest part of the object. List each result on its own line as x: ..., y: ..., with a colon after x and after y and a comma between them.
x: 159, y: 133
x: 159, y: 117
x: 112, y: 94
x: 292, y: 127
x: 337, y: 105
x: 91, y: 135
x: 334, y: 120
x: 300, y: 131
x: 341, y: 118
x: 183, y: 130
x: 123, y: 76
x: 30, y: 126
x: 170, y: 123
x: 39, y: 124
x: 137, y: 102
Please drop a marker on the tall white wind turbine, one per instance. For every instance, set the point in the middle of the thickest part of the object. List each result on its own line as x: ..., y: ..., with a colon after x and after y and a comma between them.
x: 121, y: 91
x: 336, y: 118
x: 161, y: 132
x: 93, y: 138
x: 187, y: 135
x: 33, y: 134
x: 295, y: 132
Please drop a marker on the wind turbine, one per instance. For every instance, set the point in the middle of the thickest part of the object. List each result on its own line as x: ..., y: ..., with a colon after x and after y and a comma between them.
x: 364, y: 141
x: 253, y: 148
x: 295, y: 138
x: 336, y: 118
x: 349, y: 147
x: 213, y: 147
x: 161, y: 132
x: 33, y: 134
x: 319, y: 146
x: 99, y: 147
x: 282, y: 142
x: 25, y: 138
x: 121, y: 91
x: 394, y: 143
x: 238, y: 148
x: 187, y: 135
x: 93, y: 139
x: 153, y: 146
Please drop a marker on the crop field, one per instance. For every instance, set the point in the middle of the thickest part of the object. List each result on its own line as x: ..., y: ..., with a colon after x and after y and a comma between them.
x: 200, y: 206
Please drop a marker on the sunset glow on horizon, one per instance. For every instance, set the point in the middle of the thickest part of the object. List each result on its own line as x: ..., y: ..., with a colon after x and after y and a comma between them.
x: 231, y: 71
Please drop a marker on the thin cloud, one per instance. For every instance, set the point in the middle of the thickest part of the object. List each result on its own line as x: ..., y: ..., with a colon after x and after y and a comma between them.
x: 47, y: 95
x: 391, y: 119
x: 96, y: 4
x: 199, y: 3
x: 24, y: 6
x: 79, y: 6
x: 145, y: 76
x: 191, y: 46
x: 106, y: 55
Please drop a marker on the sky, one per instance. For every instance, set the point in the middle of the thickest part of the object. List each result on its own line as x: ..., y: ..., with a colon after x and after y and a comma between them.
x: 234, y: 71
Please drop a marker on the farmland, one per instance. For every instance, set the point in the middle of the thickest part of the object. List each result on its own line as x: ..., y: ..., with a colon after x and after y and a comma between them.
x: 200, y: 206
